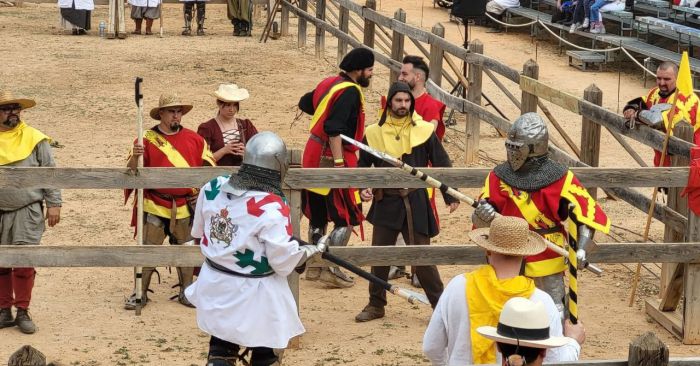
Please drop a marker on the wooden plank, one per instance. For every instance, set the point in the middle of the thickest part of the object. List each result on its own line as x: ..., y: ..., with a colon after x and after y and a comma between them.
x: 691, y: 307
x: 648, y: 350
x: 320, y: 44
x: 528, y: 101
x: 435, y: 55
x: 558, y: 97
x: 343, y: 25
x: 351, y: 5
x: 301, y: 22
x: 590, y: 133
x: 450, y: 254
x: 284, y: 21
x: 397, y: 44
x: 672, y: 290
x: 369, y: 25
x: 669, y: 320
x: 473, y: 123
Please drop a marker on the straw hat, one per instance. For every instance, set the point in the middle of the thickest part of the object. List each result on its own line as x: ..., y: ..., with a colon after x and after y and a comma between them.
x: 169, y: 100
x: 509, y: 235
x: 230, y: 93
x: 525, y: 323
x: 6, y: 97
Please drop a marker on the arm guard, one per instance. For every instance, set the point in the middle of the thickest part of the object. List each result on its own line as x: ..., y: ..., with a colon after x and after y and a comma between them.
x: 483, y: 214
x: 585, y: 243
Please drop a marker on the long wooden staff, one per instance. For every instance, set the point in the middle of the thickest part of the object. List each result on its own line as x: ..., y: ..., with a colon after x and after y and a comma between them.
x: 160, y: 20
x: 138, y: 271
x: 448, y: 190
x: 652, y: 204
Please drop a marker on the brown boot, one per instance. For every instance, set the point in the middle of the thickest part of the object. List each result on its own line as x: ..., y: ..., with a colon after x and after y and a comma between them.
x: 137, y: 26
x: 24, y: 321
x: 369, y: 313
x: 334, y: 277
x: 146, y: 275
x: 149, y: 26
x: 186, y: 277
x: 6, y: 318
x: 313, y: 273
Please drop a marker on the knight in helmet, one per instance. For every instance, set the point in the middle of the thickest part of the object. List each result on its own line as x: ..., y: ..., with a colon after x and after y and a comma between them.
x: 189, y: 7
x: 245, y: 232
x: 548, y: 196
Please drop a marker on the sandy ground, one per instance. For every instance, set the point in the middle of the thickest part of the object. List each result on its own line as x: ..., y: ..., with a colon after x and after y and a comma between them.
x: 84, y: 89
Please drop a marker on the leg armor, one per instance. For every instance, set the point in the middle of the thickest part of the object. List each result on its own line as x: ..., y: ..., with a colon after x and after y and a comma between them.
x: 315, y: 233
x: 554, y: 286
x: 185, y: 276
x: 222, y: 353
x: 333, y: 276
x: 188, y: 18
x: 147, y: 274
x: 201, y: 15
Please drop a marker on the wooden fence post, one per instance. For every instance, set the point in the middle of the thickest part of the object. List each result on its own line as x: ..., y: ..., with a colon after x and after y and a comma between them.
x: 647, y: 350
x: 691, y: 280
x: 528, y: 102
x: 397, y: 40
x: 295, y: 216
x: 320, y: 33
x: 369, y: 26
x: 671, y: 287
x: 473, y: 123
x: 436, y: 56
x: 284, y: 21
x: 590, y: 133
x: 301, y: 40
x: 343, y: 20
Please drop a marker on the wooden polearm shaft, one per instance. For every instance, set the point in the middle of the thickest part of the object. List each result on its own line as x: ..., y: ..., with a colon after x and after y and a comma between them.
x: 138, y: 271
x: 447, y: 190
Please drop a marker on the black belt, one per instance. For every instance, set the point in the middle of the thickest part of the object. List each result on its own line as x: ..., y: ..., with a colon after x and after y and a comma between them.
x: 549, y: 230
x: 225, y: 270
x: 317, y: 139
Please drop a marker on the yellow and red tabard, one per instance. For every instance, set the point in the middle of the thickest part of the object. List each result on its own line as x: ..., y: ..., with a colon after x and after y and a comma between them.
x: 181, y: 150
x: 18, y: 143
x: 543, y: 210
x: 687, y: 109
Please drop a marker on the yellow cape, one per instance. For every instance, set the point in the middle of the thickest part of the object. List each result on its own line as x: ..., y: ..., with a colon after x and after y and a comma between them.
x: 18, y: 143
x: 383, y: 138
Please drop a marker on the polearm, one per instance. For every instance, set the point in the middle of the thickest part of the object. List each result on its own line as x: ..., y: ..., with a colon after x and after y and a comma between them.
x: 449, y: 190
x: 411, y: 296
x: 138, y: 271
x: 160, y: 19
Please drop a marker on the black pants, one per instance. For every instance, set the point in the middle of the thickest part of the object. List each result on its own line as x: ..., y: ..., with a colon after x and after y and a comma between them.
x: 260, y: 356
x: 428, y: 276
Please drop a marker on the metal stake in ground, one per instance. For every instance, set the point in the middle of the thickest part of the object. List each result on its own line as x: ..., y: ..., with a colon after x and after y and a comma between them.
x: 138, y: 271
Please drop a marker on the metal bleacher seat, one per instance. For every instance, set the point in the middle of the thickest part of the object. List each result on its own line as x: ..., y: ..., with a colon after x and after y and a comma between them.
x: 659, y: 8
x: 685, y: 35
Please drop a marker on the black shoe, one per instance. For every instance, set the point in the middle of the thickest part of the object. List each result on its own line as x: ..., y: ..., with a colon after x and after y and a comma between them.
x: 24, y: 321
x: 6, y: 318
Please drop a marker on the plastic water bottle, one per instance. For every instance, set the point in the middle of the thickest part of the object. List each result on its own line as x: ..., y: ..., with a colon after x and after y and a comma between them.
x: 102, y: 28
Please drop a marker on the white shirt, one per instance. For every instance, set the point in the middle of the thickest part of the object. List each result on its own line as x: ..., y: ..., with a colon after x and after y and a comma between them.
x: 145, y: 3
x: 246, y: 232
x: 79, y: 4
x: 447, y: 340
x: 508, y: 3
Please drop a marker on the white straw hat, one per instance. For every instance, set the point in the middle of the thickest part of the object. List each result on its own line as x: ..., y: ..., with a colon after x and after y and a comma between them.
x: 523, y: 322
x: 230, y: 93
x: 509, y: 235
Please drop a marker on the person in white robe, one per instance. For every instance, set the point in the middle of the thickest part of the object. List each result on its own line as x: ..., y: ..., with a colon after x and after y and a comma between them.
x: 243, y: 223
x: 75, y: 15
x: 144, y: 9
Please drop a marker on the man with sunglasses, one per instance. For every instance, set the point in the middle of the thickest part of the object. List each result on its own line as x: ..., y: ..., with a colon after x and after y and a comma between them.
x: 22, y: 209
x: 167, y: 211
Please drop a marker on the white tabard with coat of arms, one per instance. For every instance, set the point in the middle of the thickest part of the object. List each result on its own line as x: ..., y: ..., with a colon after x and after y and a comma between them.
x: 247, y: 232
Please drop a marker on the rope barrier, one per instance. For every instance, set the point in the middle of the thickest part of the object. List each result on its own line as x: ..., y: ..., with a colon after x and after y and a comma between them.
x: 577, y: 46
x: 637, y: 62
x: 509, y: 24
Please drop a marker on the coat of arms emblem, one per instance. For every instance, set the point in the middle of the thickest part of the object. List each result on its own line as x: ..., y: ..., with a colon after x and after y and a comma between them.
x: 223, y: 228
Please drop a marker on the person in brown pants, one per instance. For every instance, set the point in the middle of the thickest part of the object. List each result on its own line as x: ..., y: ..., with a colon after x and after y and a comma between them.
x: 404, y: 135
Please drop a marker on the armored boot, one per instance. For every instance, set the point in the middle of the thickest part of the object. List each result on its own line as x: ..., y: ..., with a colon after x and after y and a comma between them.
x: 333, y: 276
x: 188, y: 19
x: 24, y: 321
x: 201, y: 15
x: 186, y: 276
x: 315, y: 234
x: 130, y: 303
x: 6, y: 318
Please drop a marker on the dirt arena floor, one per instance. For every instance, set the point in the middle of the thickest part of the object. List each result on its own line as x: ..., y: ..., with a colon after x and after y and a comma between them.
x: 84, y: 90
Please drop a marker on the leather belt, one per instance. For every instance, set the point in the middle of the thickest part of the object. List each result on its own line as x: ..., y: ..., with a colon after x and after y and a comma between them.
x: 227, y: 271
x: 173, y: 206
x: 549, y: 230
x: 403, y: 193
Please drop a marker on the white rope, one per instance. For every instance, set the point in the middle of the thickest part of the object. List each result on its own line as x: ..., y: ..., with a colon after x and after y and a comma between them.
x: 638, y: 64
x: 574, y: 45
x: 510, y: 25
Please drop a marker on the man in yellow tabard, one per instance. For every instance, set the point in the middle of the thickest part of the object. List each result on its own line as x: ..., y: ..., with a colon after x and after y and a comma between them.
x: 166, y: 211
x: 22, y: 209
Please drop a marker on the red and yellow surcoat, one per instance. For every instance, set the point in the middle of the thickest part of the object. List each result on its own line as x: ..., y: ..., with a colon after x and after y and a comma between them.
x: 687, y: 109
x: 542, y: 210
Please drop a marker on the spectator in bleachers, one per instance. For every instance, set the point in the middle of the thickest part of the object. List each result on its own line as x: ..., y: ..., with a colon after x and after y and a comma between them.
x: 581, y: 16
x: 496, y: 8
x: 657, y: 102
x: 564, y: 12
x: 603, y: 6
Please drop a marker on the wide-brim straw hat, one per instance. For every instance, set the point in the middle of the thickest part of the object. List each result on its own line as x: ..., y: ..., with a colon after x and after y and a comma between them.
x: 170, y: 100
x: 6, y: 97
x: 509, y: 235
x: 230, y: 93
x: 525, y: 323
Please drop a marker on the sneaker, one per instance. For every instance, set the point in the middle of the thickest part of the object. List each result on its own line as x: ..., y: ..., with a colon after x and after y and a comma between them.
x: 595, y: 28
x: 6, y: 318
x: 586, y: 23
x: 24, y: 321
x: 369, y: 313
x: 574, y: 27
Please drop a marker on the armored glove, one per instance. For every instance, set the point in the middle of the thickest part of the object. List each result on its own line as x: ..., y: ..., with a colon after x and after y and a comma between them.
x: 483, y: 214
x: 584, y: 242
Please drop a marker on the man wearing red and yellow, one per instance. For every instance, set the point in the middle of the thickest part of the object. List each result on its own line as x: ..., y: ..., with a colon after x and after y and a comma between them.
x: 22, y: 209
x: 338, y: 107
x: 166, y: 211
x: 546, y: 194
x: 653, y: 109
